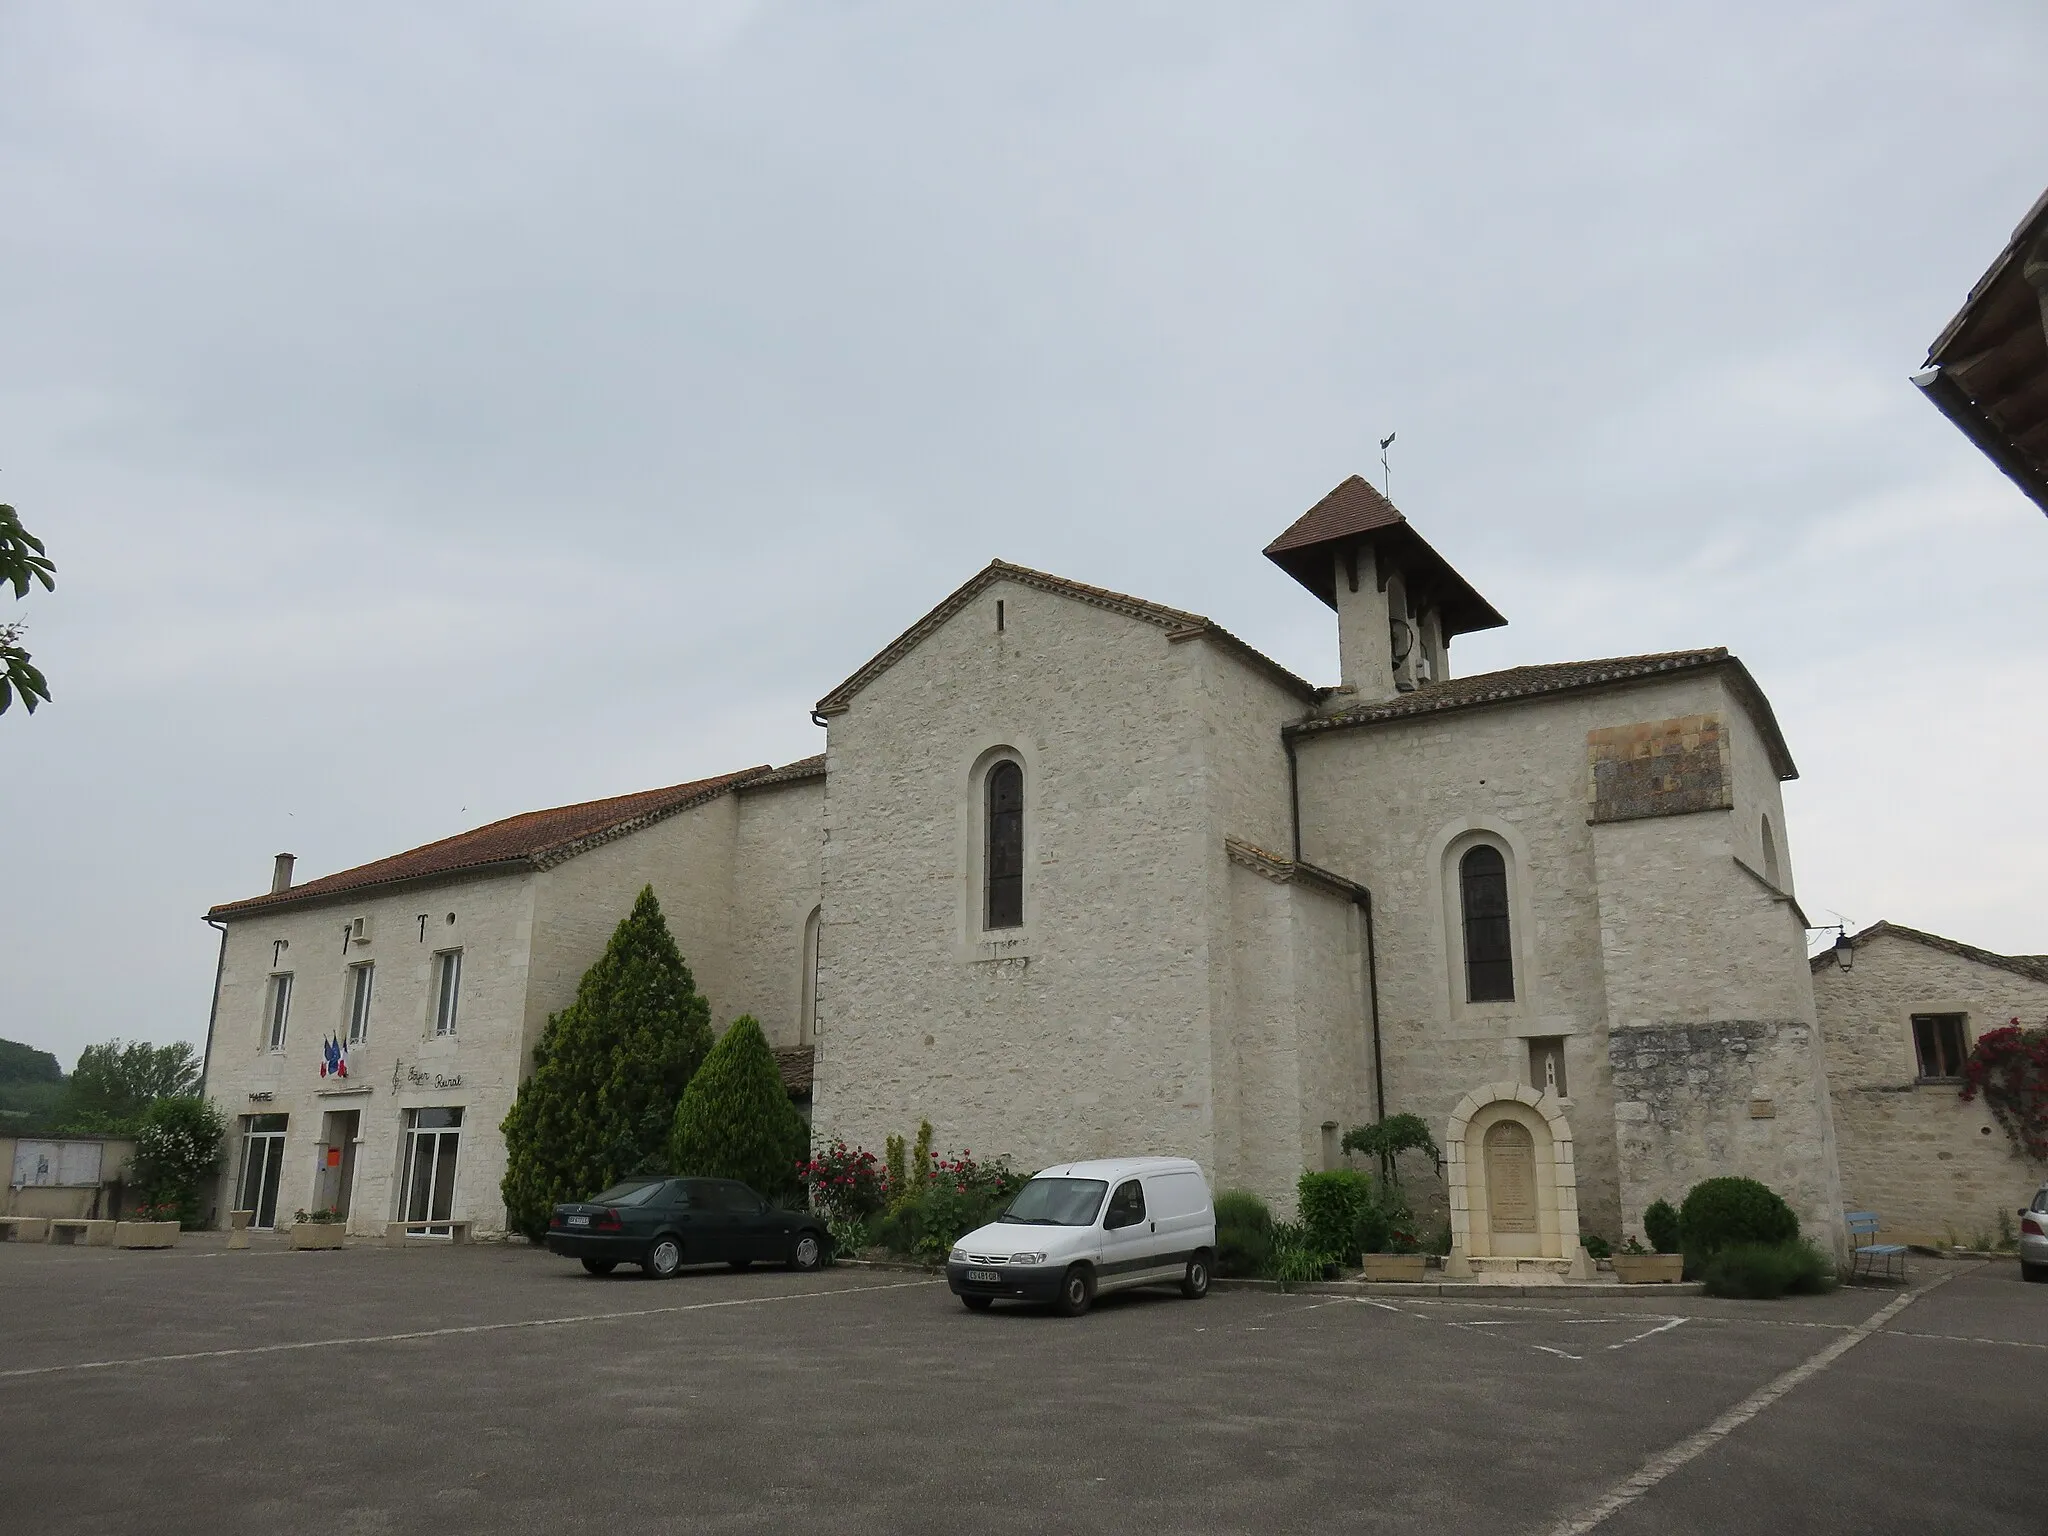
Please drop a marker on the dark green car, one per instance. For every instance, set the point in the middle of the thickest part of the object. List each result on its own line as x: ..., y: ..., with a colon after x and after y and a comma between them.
x: 663, y: 1224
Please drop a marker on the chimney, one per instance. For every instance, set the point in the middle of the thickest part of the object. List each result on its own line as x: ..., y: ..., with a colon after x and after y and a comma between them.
x: 281, y: 874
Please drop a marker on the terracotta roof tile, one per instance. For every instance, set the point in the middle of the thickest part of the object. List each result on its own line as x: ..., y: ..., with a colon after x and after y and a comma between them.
x: 1356, y: 513
x: 534, y: 840
x: 2033, y: 967
x: 1353, y: 507
x: 791, y: 773
x: 1515, y: 683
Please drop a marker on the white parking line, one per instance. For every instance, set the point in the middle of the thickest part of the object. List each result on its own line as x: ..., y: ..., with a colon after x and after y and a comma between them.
x: 1664, y: 1327
x: 442, y: 1333
x: 1664, y: 1463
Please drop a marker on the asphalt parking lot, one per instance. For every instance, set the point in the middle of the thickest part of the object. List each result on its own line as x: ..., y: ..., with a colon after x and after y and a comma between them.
x: 493, y: 1388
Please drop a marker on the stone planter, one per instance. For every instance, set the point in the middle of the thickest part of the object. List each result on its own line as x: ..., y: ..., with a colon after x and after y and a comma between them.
x: 1409, y: 1267
x: 145, y: 1234
x: 318, y: 1234
x: 1649, y: 1268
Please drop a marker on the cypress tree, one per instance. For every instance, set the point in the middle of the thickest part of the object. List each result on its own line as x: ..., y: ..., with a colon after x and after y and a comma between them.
x: 607, y: 1074
x: 736, y: 1121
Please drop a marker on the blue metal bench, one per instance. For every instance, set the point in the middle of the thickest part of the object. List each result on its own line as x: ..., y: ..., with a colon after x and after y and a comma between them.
x: 1866, y: 1253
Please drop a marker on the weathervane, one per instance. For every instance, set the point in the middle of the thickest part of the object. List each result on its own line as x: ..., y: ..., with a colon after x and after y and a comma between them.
x: 1386, y: 473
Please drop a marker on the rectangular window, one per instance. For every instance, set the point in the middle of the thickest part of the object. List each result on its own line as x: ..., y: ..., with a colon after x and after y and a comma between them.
x: 280, y: 1008
x: 447, y: 990
x: 426, y: 1186
x: 1938, y: 1043
x: 1546, y: 1065
x: 360, y: 980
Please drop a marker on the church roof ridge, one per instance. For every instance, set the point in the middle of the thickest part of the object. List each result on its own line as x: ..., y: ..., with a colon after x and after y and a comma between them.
x: 1513, y: 684
x: 2033, y: 967
x: 530, y: 840
x: 1179, y: 624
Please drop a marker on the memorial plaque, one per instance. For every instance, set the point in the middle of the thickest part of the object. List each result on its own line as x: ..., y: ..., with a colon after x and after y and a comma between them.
x: 1511, y: 1178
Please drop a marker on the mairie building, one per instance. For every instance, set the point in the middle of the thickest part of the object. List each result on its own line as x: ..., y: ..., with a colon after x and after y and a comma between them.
x: 1081, y: 874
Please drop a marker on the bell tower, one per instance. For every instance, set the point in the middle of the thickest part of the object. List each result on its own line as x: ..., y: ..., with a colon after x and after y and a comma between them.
x: 1398, y: 601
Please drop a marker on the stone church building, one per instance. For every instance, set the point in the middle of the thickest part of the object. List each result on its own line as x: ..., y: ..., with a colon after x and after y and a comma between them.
x: 1079, y: 873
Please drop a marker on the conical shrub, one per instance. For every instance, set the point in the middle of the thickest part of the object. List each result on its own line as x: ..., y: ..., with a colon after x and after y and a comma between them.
x: 607, y: 1074
x: 736, y: 1121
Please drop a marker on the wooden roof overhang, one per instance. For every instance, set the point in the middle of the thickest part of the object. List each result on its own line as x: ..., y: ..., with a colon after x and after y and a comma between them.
x: 1988, y: 369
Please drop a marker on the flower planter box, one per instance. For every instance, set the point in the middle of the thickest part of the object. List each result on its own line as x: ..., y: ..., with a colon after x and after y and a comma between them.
x: 1649, y: 1268
x: 318, y: 1234
x: 1408, y: 1267
x: 145, y: 1234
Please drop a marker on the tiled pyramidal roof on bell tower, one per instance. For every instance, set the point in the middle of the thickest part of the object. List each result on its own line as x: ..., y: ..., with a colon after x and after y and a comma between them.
x: 1353, y: 514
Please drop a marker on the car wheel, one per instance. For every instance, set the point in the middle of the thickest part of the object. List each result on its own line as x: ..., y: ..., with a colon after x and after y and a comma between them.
x: 1195, y: 1283
x: 664, y: 1258
x: 739, y: 1263
x: 599, y: 1266
x: 1077, y: 1290
x: 807, y: 1253
x: 2033, y: 1271
x: 977, y: 1303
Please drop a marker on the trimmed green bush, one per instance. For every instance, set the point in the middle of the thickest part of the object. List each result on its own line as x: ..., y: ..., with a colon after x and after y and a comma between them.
x: 1719, y: 1213
x: 1335, y: 1209
x: 1660, y: 1226
x: 1244, y: 1234
x: 607, y: 1074
x: 736, y: 1121
x: 1596, y: 1246
x: 1766, y: 1271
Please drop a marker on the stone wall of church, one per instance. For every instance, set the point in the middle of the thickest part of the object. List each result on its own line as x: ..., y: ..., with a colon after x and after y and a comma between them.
x: 1393, y: 806
x: 1698, y: 952
x: 689, y: 859
x: 1701, y: 1100
x: 402, y: 1065
x: 1935, y: 1169
x: 1298, y: 1049
x: 775, y: 890
x: 1087, y: 1031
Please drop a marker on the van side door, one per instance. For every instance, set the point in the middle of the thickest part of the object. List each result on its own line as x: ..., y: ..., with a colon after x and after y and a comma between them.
x: 1182, y: 1219
x: 1126, y: 1238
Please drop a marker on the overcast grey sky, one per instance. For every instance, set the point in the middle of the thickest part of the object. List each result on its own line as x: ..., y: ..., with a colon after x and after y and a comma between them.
x: 441, y: 412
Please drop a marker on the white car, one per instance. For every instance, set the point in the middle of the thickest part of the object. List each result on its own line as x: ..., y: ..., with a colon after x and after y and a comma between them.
x: 1079, y: 1229
x: 2034, y: 1237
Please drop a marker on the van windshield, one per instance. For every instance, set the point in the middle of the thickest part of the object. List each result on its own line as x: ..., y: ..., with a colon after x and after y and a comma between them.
x: 1057, y: 1203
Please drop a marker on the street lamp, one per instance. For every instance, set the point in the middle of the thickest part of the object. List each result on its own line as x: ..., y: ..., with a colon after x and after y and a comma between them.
x: 1845, y: 952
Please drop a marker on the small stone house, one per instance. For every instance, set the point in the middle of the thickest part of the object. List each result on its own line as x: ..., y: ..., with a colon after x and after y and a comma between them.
x: 1899, y: 1020
x: 435, y: 970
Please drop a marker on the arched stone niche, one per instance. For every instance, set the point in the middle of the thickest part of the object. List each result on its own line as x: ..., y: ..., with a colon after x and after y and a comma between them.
x: 1514, y: 1189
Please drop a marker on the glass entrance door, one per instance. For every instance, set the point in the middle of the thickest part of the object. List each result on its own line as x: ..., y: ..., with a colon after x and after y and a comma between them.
x: 262, y: 1167
x: 432, y: 1139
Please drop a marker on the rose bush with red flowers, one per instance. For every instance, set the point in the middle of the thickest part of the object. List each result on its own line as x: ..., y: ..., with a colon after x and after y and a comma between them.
x: 845, y: 1182
x: 2009, y: 1067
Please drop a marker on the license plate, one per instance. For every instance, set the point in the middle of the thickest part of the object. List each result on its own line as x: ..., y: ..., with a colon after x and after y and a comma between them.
x: 579, y: 1221
x: 984, y: 1277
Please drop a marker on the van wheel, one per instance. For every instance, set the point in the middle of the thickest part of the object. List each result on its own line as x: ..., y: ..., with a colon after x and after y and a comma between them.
x: 977, y: 1303
x: 1195, y: 1283
x: 1077, y: 1290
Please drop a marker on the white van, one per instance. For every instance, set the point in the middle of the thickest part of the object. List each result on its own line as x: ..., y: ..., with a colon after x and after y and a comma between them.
x: 1082, y: 1228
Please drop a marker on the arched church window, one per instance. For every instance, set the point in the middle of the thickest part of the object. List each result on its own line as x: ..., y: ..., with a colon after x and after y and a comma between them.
x: 1771, y: 856
x: 1489, y: 958
x: 1003, y: 857
x: 807, y: 1012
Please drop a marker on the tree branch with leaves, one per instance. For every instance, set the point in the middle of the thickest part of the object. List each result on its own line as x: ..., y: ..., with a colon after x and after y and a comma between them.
x: 22, y: 563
